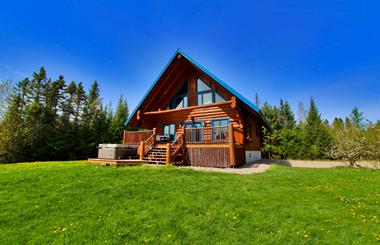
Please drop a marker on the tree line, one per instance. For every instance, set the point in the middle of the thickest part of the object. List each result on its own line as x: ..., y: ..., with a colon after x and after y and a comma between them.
x: 312, y: 137
x: 46, y: 119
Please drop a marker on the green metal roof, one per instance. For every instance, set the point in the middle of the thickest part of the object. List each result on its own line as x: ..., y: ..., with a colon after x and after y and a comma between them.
x: 202, y: 68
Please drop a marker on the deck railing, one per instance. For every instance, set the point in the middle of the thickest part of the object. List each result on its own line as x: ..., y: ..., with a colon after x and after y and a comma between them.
x: 207, y: 135
x: 135, y: 137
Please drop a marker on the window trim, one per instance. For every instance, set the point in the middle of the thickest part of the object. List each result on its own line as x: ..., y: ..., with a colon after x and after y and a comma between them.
x: 213, y: 127
x: 220, y: 119
x: 211, y: 90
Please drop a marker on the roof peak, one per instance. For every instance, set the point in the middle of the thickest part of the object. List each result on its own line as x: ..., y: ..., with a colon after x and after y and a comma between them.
x: 206, y: 71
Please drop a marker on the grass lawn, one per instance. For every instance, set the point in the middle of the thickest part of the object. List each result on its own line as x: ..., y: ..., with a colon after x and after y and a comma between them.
x: 73, y: 202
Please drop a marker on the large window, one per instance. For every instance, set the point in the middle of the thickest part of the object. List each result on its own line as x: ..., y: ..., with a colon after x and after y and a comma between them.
x: 220, y: 129
x: 206, y: 95
x: 180, y: 100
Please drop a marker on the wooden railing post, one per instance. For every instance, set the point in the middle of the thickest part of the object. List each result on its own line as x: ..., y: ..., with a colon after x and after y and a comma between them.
x: 123, y: 137
x: 232, y: 145
x: 154, y: 136
x: 183, y: 134
x: 142, y: 150
x: 168, y: 154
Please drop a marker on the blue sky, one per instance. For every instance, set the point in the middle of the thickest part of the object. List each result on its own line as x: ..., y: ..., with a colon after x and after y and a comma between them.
x: 280, y: 49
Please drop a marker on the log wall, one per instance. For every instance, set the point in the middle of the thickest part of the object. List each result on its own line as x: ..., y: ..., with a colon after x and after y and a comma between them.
x: 200, y: 113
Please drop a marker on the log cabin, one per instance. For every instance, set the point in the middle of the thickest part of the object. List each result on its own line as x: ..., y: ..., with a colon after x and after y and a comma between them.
x: 191, y: 117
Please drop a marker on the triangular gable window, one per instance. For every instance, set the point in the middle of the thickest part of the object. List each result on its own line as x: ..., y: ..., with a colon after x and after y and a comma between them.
x: 206, y: 95
x: 201, y: 86
x: 180, y: 100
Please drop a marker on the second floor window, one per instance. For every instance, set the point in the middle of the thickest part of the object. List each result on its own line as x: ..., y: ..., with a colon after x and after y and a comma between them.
x: 206, y: 95
x: 180, y: 100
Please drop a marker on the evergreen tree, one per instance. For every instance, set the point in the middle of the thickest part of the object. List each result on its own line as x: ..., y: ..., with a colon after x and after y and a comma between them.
x: 282, y: 141
x: 271, y: 113
x: 313, y: 116
x: 118, y: 120
x: 93, y: 121
x: 356, y: 118
x: 47, y: 120
x: 34, y: 114
x: 317, y: 135
x: 286, y: 115
x: 338, y: 123
x: 50, y: 137
x: 80, y: 100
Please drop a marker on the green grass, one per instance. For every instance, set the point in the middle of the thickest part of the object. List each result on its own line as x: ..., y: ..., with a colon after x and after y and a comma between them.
x: 73, y: 202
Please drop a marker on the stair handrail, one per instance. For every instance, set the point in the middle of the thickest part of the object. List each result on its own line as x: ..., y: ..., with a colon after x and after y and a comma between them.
x: 150, y: 141
x: 177, y: 144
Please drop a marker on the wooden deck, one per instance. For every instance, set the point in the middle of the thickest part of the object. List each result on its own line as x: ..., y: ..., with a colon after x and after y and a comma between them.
x: 116, y: 162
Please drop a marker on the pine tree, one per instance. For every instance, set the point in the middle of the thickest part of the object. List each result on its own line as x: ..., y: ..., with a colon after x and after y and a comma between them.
x: 356, y: 118
x: 282, y: 141
x: 47, y: 130
x: 34, y: 116
x: 93, y: 121
x: 318, y: 137
x: 80, y: 100
x: 271, y: 113
x: 286, y: 115
x: 338, y: 123
x: 313, y: 116
x: 118, y: 121
x: 47, y: 120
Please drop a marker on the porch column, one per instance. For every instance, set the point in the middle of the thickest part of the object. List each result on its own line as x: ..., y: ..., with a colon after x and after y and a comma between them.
x: 168, y: 154
x: 142, y: 150
x: 232, y: 145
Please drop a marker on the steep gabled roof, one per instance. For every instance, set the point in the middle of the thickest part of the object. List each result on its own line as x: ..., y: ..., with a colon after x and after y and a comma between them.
x: 207, y: 72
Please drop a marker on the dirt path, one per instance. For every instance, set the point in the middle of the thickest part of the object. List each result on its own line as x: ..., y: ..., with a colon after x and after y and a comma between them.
x: 303, y: 163
x: 263, y: 165
x: 251, y: 168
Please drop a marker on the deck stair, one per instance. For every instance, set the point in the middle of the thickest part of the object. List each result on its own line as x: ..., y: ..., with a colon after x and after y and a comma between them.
x: 157, y: 155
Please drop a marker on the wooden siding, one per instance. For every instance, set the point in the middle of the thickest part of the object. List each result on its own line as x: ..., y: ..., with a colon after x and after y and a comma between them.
x: 217, y: 157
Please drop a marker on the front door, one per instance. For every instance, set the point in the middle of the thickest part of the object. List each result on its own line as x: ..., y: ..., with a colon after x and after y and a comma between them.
x: 169, y: 131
